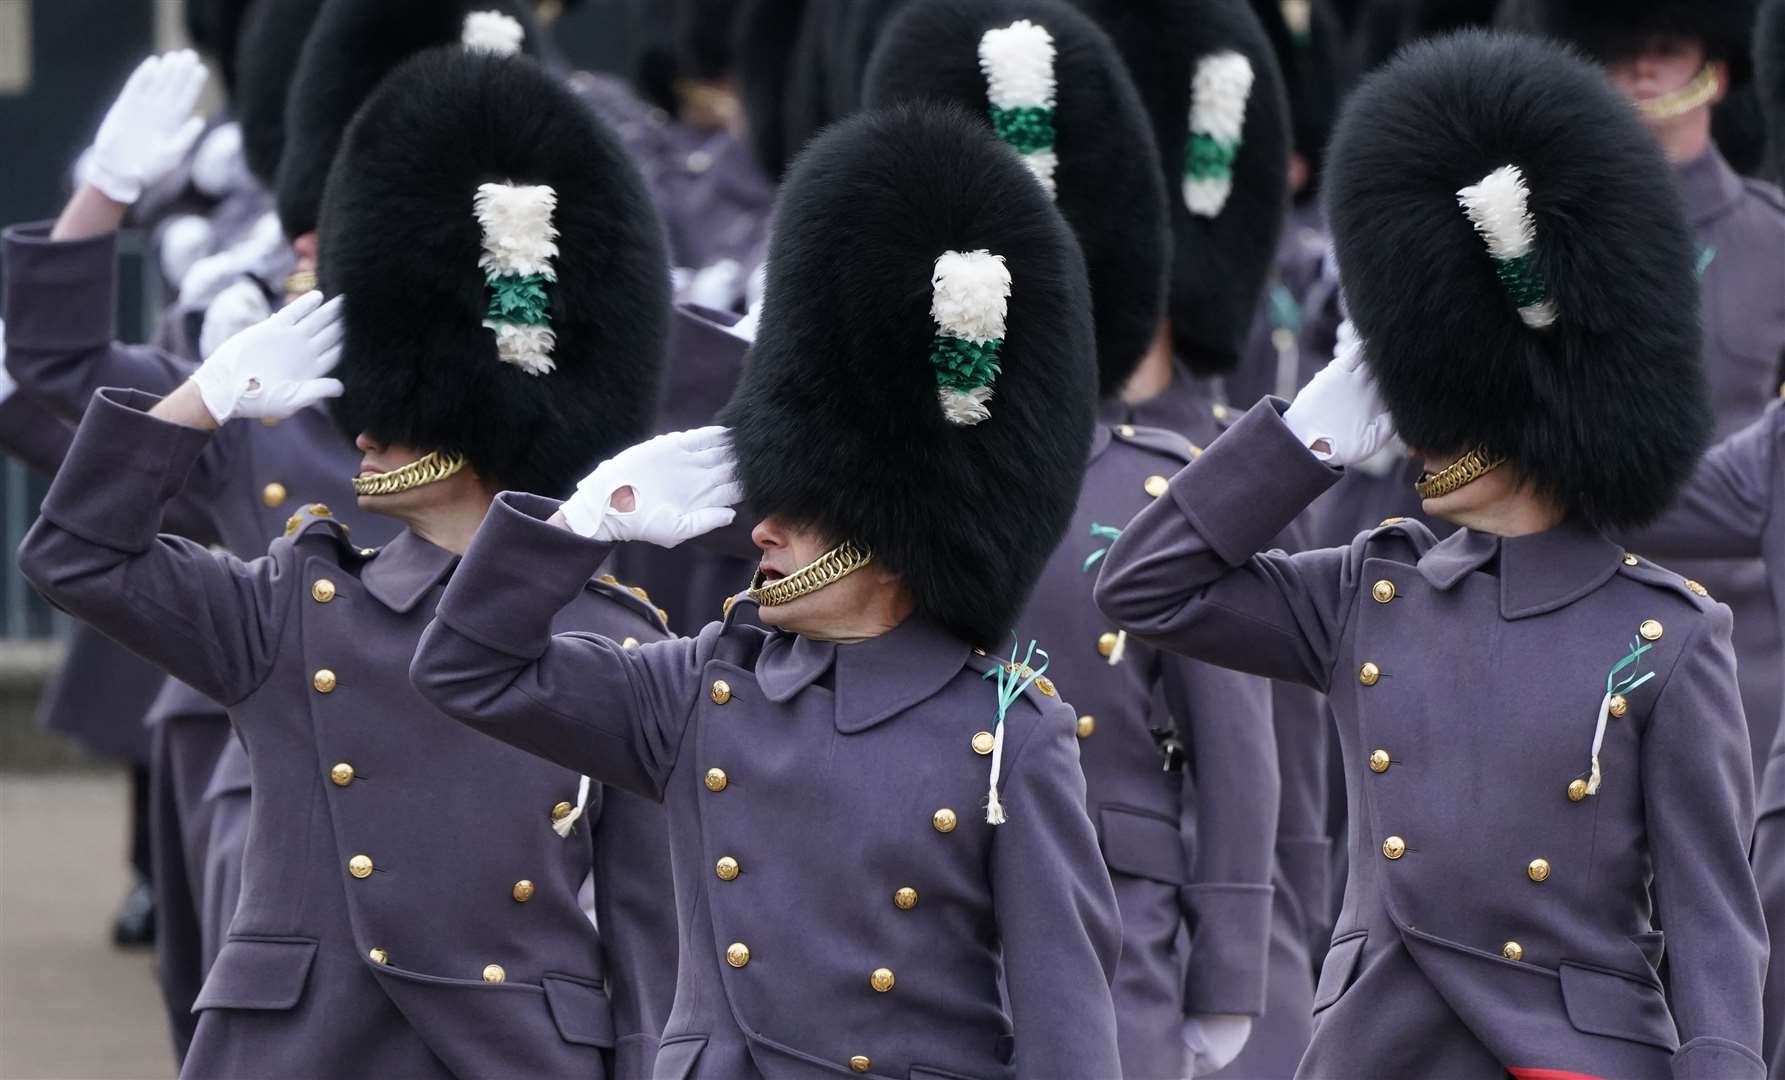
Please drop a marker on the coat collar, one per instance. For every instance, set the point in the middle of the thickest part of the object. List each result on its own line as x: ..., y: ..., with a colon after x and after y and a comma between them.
x: 875, y: 680
x: 1184, y: 406
x: 1710, y: 186
x: 1538, y: 573
x: 404, y: 570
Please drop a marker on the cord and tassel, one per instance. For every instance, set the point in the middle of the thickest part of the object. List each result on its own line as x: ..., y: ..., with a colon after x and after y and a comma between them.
x: 1110, y: 533
x: 1013, y: 678
x: 1615, y: 687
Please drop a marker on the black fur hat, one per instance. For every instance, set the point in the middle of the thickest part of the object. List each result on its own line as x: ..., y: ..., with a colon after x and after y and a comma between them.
x: 1572, y: 349
x: 1313, y: 55
x: 897, y: 231
x: 1099, y: 156
x: 1607, y: 29
x: 214, y: 27
x: 271, y: 41
x: 351, y: 48
x: 1211, y: 58
x: 441, y: 158
x: 1769, y: 72
x: 703, y: 37
x: 766, y: 35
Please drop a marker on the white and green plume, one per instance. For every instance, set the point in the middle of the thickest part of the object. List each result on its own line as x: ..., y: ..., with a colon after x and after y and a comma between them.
x: 492, y: 32
x: 1018, y: 62
x: 1218, y: 94
x: 518, y: 249
x: 969, y: 300
x: 1498, y: 207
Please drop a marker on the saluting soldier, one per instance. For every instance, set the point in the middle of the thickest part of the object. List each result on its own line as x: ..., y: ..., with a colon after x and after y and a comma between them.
x: 1180, y: 764
x: 1542, y: 733
x: 877, y: 817
x: 410, y: 901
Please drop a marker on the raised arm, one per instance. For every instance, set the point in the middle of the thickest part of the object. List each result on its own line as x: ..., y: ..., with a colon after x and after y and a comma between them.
x: 1724, y: 509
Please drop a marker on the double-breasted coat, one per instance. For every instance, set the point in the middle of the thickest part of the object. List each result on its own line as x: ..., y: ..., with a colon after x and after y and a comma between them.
x: 1498, y: 914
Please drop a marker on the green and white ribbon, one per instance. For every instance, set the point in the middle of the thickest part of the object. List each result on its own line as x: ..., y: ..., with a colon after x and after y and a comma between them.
x: 1018, y: 62
x: 1013, y: 678
x: 1498, y: 208
x: 1613, y: 687
x: 1218, y: 94
x: 492, y: 32
x: 518, y: 249
x: 969, y: 299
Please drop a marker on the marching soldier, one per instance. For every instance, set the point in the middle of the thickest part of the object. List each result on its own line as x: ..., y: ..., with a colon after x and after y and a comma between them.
x: 1542, y: 733
x: 877, y: 818
x: 496, y: 332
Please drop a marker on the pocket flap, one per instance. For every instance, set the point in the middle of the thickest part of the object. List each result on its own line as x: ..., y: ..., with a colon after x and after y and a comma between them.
x: 676, y: 1057
x: 1603, y: 1003
x: 581, y: 1011
x: 258, y: 973
x: 1143, y: 845
x: 1340, y: 966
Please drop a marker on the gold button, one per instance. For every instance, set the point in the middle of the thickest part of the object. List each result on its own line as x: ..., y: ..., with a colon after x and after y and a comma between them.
x: 292, y: 523
x: 522, y: 891
x: 1046, y: 686
x: 273, y: 495
x: 1156, y: 485
x: 324, y: 681
x: 608, y: 579
x: 716, y: 780
x: 860, y: 1063
x: 319, y: 510
x: 881, y: 980
x: 341, y: 774
x: 982, y: 742
x: 1221, y: 411
x: 360, y: 866
x: 1379, y: 761
x: 943, y: 820
x: 905, y: 899
x: 640, y: 593
x: 1383, y: 591
x: 663, y: 616
x: 1106, y: 644
x: 494, y: 973
x: 1696, y: 589
x: 377, y: 955
x: 725, y: 606
x: 323, y: 591
x: 1394, y: 847
x: 1086, y: 725
x: 1369, y: 674
x: 1126, y: 431
x: 737, y: 954
x: 629, y: 643
x: 726, y: 868
x: 1577, y: 790
x: 562, y: 810
x: 721, y: 691
x: 1630, y: 560
x: 1512, y: 950
x: 1650, y: 630
x: 1386, y: 522
x: 1617, y: 706
x: 1538, y: 870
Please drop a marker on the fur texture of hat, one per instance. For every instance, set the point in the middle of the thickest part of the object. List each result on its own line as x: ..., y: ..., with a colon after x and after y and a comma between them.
x: 1314, y: 58
x: 1607, y: 29
x: 1769, y: 72
x: 271, y: 42
x: 214, y: 27
x: 766, y: 37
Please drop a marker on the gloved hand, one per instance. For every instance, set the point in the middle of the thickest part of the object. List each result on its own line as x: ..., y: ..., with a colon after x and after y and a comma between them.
x: 1339, y: 416
x: 218, y: 167
x: 1213, y: 1040
x: 255, y: 252
x: 7, y: 386
x: 149, y: 128
x: 275, y: 368
x: 235, y: 309
x: 683, y: 485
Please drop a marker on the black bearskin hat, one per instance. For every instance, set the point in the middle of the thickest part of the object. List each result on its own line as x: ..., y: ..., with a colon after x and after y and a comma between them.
x: 703, y: 37
x: 1095, y: 147
x: 353, y: 45
x: 271, y: 42
x: 765, y: 38
x: 214, y: 27
x: 1311, y: 50
x: 1607, y: 29
x: 1515, y: 254
x: 451, y: 188
x: 1205, y: 70
x: 1769, y: 71
x: 922, y: 380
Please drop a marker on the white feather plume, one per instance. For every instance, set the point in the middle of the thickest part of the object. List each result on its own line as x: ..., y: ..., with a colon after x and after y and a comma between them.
x: 1206, y: 196
x: 526, y: 347
x: 1018, y: 62
x: 493, y: 32
x: 965, y: 407
x: 1218, y: 95
x: 1497, y: 207
x: 970, y: 293
x: 517, y: 225
x: 1044, y: 163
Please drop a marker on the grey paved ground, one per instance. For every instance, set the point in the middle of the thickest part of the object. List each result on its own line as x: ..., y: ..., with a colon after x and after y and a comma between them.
x: 70, y: 1004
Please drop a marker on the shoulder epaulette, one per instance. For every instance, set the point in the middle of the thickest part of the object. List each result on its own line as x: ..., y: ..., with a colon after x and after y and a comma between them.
x: 317, y: 520
x: 1041, y: 691
x: 1635, y: 566
x: 1158, y: 440
x: 1408, y: 530
x: 632, y: 597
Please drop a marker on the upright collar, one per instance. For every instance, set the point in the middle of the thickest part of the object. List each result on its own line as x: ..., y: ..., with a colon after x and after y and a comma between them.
x: 404, y: 570
x: 875, y: 679
x: 1710, y: 186
x: 1100, y: 439
x: 1538, y: 573
x: 1184, y: 406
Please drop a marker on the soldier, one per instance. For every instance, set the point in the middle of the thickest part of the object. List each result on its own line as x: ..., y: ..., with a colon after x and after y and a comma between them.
x: 1180, y: 766
x: 409, y: 905
x: 1542, y: 733
x: 878, y: 830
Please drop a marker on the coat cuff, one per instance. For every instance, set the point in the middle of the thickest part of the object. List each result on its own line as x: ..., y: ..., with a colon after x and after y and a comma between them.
x: 1250, y: 484
x: 1230, y: 944
x: 1711, y: 1058
x: 518, y: 573
x: 123, y: 468
x: 60, y: 295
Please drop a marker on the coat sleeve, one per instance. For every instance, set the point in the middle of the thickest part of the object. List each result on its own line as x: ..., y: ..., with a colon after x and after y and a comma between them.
x: 31, y: 436
x: 1186, y: 573
x: 208, y: 619
x: 1698, y: 797
x: 1724, y: 509
x: 1056, y: 911
x: 490, y: 658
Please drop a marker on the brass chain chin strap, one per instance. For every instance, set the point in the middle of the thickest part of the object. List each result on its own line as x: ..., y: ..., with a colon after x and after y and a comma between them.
x: 1700, y: 90
x: 1465, y: 470
x: 828, y: 569
x: 425, y: 470
x: 299, y: 282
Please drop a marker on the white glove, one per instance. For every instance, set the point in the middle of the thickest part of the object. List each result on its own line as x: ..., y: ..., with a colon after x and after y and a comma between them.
x: 276, y: 368
x: 149, y: 128
x: 210, y: 275
x: 1213, y: 1040
x: 1340, y: 408
x: 683, y: 485
x: 234, y: 310
x: 218, y: 166
x: 7, y: 386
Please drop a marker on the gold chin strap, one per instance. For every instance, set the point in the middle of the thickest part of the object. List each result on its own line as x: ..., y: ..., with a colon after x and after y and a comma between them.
x: 828, y: 569
x: 1466, y: 470
x: 1700, y: 90
x: 299, y: 282
x: 425, y: 470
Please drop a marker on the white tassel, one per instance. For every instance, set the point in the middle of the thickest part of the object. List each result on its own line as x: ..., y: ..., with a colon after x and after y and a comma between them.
x: 1498, y: 207
x: 518, y: 233
x: 970, y: 295
x: 1598, y: 740
x: 965, y: 407
x: 994, y: 807
x: 1120, y: 649
x: 563, y: 825
x: 1018, y: 62
x: 526, y: 347
x: 492, y: 32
